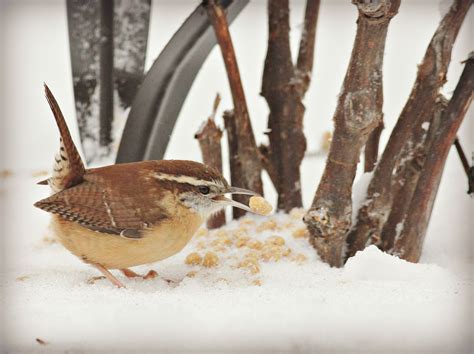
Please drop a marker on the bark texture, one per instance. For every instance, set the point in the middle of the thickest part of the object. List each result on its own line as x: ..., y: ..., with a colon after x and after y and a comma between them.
x: 358, y: 112
x: 407, y: 176
x: 284, y: 86
x: 209, y: 138
x: 236, y: 175
x: 371, y: 151
x: 418, y: 110
x: 246, y: 151
x: 409, y: 245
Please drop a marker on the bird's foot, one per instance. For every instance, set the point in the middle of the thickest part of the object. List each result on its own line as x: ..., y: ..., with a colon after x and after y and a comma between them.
x: 108, y: 276
x: 131, y: 274
x: 150, y: 275
x: 94, y: 279
x: 172, y: 283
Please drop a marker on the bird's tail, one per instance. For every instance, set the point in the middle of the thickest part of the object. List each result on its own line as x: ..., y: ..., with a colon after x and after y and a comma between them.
x: 68, y: 166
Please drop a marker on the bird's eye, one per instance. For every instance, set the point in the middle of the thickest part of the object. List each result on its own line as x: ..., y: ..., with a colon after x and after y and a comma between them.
x: 204, y: 189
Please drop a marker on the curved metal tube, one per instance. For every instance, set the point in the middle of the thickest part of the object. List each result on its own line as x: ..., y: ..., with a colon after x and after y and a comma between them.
x: 158, y: 102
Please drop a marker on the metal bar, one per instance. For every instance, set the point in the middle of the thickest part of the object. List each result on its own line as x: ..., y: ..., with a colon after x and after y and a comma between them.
x: 106, y: 68
x: 160, y: 97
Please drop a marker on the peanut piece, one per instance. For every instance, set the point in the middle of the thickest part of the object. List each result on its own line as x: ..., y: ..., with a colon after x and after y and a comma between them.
x: 275, y: 240
x: 193, y: 259
x: 254, y: 244
x: 242, y: 241
x: 210, y: 260
x: 300, y: 233
x: 260, y: 205
x: 251, y: 265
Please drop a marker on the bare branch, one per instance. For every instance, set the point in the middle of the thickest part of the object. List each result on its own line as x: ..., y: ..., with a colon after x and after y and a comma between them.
x: 417, y: 111
x: 462, y: 156
x: 407, y: 176
x: 371, y: 151
x: 358, y: 112
x: 246, y: 147
x: 236, y: 175
x: 304, y: 64
x: 209, y: 137
x: 284, y: 87
x: 409, y: 244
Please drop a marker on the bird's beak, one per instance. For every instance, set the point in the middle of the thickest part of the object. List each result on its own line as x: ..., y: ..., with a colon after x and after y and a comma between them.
x: 235, y: 190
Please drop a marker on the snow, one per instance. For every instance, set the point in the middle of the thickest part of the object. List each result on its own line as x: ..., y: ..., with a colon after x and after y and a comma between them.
x: 359, y: 193
x: 296, y: 303
x: 377, y: 303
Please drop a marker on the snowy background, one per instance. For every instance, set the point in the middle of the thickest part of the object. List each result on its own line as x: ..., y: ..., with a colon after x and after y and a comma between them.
x: 376, y: 303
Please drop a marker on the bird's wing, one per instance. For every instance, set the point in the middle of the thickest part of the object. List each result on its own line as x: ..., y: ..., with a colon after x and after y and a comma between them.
x: 109, y: 210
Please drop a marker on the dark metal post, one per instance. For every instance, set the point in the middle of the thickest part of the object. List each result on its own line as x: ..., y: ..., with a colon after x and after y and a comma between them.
x: 106, y: 85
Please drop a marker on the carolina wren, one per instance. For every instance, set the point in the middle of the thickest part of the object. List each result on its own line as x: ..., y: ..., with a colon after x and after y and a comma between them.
x: 124, y: 215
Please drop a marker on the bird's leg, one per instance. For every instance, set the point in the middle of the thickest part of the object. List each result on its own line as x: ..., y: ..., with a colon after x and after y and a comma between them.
x: 131, y: 274
x: 109, y: 276
x: 94, y: 279
x: 150, y: 275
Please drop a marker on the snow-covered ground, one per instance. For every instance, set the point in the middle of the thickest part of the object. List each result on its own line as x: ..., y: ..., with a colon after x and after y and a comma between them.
x: 258, y: 297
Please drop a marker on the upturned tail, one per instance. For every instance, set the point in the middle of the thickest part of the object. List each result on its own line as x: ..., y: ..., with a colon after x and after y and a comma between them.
x: 68, y: 167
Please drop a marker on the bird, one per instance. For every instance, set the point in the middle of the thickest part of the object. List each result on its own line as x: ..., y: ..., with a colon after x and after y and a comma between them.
x: 124, y: 215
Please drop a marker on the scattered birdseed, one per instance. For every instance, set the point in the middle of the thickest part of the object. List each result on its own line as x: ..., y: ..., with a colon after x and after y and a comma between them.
x: 251, y: 265
x: 210, y: 260
x: 300, y: 233
x: 255, y: 244
x: 275, y: 240
x: 193, y: 259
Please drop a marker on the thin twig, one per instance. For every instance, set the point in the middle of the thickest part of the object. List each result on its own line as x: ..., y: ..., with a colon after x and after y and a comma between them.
x: 209, y: 137
x: 246, y: 147
x: 462, y: 156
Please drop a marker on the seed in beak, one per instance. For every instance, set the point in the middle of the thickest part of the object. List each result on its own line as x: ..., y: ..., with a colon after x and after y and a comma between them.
x: 259, y: 205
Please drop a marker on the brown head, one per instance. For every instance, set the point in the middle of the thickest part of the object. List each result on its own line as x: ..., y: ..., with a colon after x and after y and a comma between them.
x: 198, y: 186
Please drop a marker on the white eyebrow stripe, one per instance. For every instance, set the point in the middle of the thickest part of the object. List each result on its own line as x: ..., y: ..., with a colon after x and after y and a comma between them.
x: 183, y: 179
